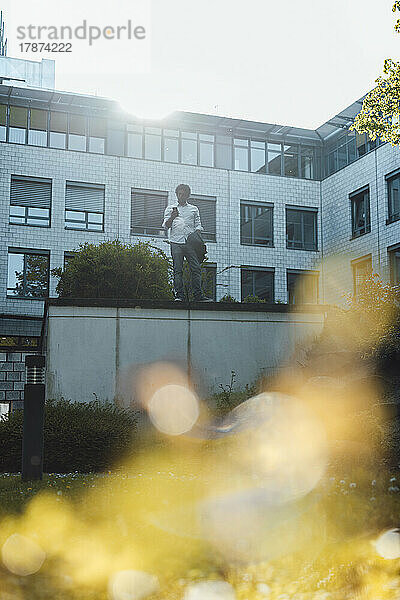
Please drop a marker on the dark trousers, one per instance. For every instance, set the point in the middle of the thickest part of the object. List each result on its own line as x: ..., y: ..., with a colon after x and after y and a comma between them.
x: 179, y: 252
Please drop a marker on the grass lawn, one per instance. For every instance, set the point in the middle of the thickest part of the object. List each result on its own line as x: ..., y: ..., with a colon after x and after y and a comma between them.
x: 89, y: 527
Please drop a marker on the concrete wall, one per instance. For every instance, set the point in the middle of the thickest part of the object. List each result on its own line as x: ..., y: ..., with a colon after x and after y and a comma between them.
x: 90, y: 348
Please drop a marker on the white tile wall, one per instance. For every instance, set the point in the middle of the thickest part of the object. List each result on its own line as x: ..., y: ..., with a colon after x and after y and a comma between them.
x: 119, y: 175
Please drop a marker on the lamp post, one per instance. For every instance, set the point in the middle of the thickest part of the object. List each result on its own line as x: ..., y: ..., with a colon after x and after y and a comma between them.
x: 32, y: 441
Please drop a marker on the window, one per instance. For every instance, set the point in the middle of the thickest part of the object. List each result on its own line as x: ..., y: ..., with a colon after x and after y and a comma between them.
x: 241, y: 154
x: 256, y: 227
x: 207, y: 210
x: 257, y: 282
x: 189, y: 148
x: 209, y: 278
x: 301, y: 228
x: 97, y: 135
x: 302, y: 287
x: 77, y: 133
x: 274, y: 159
x: 171, y: 145
x: 291, y: 158
x: 37, y: 134
x: 147, y: 212
x: 362, y: 268
x: 206, y: 150
x: 393, y: 184
x: 361, y: 144
x: 342, y: 153
x: 360, y: 213
x: 394, y: 262
x: 58, y: 130
x: 18, y: 124
x: 84, y: 206
x: 135, y: 141
x: 152, y: 143
x: 68, y: 257
x: 257, y: 157
x: 351, y: 147
x: 307, y: 163
x: 3, y: 122
x: 30, y: 201
x: 18, y: 343
x: 28, y: 273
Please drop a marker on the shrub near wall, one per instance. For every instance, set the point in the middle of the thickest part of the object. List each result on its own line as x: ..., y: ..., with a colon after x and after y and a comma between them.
x: 84, y: 437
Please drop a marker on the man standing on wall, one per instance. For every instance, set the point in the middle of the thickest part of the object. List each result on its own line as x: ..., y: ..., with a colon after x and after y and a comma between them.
x: 182, y: 220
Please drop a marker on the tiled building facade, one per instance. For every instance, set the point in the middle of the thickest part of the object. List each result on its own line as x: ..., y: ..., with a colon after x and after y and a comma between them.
x: 276, y: 202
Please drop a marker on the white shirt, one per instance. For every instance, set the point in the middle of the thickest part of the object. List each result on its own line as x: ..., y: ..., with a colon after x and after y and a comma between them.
x: 185, y: 223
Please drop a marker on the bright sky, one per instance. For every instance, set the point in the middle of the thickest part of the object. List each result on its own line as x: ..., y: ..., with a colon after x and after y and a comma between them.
x: 294, y: 62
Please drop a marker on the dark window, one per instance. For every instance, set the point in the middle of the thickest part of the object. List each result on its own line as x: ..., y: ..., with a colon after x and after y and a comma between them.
x: 77, y: 133
x: 361, y: 144
x: 84, y: 206
x: 256, y: 226
x: 68, y: 257
x: 302, y: 287
x: 362, y: 268
x: 28, y: 274
x: 18, y: 124
x: 207, y: 210
x: 3, y: 122
x: 18, y: 343
x: 30, y: 201
x: 37, y: 135
x: 393, y: 184
x: 257, y: 282
x: 394, y: 261
x: 301, y: 229
x: 58, y: 130
x: 147, y: 211
x: 360, y: 213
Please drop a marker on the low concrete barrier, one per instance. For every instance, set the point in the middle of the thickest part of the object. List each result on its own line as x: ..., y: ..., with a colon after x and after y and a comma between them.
x: 92, y: 344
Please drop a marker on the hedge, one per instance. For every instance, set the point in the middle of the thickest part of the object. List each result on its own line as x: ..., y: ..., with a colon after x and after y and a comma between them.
x: 84, y: 437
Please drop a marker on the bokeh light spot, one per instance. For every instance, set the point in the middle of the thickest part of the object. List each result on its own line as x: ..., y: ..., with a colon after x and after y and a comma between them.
x: 210, y: 590
x: 132, y: 585
x: 22, y: 556
x: 388, y: 544
x: 173, y: 409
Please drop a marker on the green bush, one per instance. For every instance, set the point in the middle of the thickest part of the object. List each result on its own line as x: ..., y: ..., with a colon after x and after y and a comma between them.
x: 228, y: 298
x: 253, y: 299
x: 221, y: 403
x: 82, y: 437
x: 116, y: 270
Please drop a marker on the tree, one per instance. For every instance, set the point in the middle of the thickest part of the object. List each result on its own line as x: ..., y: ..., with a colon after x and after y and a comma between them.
x: 380, y: 114
x: 33, y: 280
x: 115, y: 270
